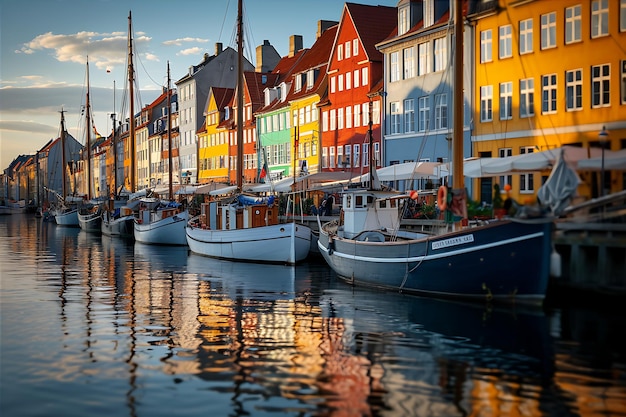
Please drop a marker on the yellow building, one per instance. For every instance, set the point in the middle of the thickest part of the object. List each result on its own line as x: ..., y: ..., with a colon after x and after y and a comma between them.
x: 213, y: 140
x: 548, y: 74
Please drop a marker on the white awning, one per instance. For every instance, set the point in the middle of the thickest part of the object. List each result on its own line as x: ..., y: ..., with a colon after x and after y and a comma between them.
x: 613, y: 160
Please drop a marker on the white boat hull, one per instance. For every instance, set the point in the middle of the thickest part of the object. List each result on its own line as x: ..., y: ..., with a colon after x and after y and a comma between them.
x: 164, y: 231
x: 286, y: 243
x: 67, y: 218
x: 90, y: 222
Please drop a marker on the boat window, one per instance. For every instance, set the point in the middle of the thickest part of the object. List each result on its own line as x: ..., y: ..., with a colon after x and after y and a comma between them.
x: 382, y: 203
x: 359, y: 201
x: 348, y: 201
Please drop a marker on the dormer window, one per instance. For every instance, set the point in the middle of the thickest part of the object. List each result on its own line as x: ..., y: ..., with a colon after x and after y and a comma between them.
x: 403, y: 19
x: 429, y: 13
x: 300, y: 79
x: 311, y: 77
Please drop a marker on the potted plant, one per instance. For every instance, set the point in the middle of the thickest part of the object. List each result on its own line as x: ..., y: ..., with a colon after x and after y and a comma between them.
x: 498, y: 208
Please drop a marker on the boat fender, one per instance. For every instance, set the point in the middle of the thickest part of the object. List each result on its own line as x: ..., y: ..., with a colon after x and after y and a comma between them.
x: 331, y: 245
x: 555, y: 264
x: 442, y: 198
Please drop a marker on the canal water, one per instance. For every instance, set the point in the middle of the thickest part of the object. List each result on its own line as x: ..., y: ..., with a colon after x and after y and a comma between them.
x: 97, y: 326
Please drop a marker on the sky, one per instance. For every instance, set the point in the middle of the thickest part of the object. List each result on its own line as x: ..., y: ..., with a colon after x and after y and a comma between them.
x: 45, y: 45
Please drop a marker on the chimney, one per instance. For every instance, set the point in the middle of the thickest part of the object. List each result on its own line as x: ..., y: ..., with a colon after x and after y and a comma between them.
x: 266, y: 57
x: 322, y: 25
x: 295, y: 44
x: 218, y: 48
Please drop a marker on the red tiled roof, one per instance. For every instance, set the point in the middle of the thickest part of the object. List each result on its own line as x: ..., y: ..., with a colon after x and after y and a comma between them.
x: 373, y: 24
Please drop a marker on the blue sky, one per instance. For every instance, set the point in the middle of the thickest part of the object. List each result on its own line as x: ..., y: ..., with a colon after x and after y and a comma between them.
x: 44, y: 46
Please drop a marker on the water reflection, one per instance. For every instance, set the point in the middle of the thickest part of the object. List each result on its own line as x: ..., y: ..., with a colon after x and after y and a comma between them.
x: 136, y: 330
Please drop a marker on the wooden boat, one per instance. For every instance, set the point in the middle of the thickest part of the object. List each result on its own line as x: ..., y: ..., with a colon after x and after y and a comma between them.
x: 162, y: 223
x: 243, y: 227
x: 504, y: 261
x: 66, y: 214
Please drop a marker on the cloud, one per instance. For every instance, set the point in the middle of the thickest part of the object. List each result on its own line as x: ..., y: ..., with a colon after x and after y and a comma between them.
x: 27, y: 126
x: 180, y: 41
x: 191, y: 51
x: 105, y: 50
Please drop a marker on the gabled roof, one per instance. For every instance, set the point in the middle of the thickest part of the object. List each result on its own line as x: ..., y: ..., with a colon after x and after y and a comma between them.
x: 372, y: 24
x: 256, y: 83
x: 222, y: 96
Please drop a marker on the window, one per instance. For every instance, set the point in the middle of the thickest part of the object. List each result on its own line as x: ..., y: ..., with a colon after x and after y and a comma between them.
x: 599, y: 18
x: 356, y: 155
x: 486, y: 103
x: 365, y: 78
x: 331, y: 157
x: 548, y: 94
x: 348, y: 117
x: 348, y: 80
x: 622, y: 15
x: 394, y: 66
x: 548, y: 30
x: 333, y: 120
x: 339, y: 52
x: 526, y: 36
x: 506, y: 42
x: 506, y: 101
x: 366, y: 113
x: 600, y: 85
x: 409, y: 63
x: 409, y: 115
x: 333, y: 84
x: 526, y: 183
x: 340, y: 156
x: 441, y: 111
x: 573, y: 24
x: 486, y: 46
x: 366, y: 154
x: 424, y: 114
x: 347, y: 155
x: 325, y: 121
x: 441, y: 55
x: 574, y: 90
x: 403, y: 20
x: 527, y: 97
x: 324, y: 157
x: 355, y: 47
x: 340, y: 82
x: 356, y: 78
x: 340, y: 118
x: 423, y: 64
x: 394, y: 110
x: 357, y: 115
x: 348, y: 44
x: 505, y: 179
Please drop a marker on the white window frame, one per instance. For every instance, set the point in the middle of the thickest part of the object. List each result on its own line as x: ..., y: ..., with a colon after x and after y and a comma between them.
x: 573, y: 24
x: 409, y: 62
x: 525, y: 36
x: 527, y: 97
x: 548, y: 30
x: 505, y: 45
x: 601, y: 86
x: 409, y: 115
x: 395, y: 118
x: 549, y: 89
x: 486, y: 46
x: 506, y: 101
x: 394, y: 66
x: 574, y: 90
x: 441, y: 111
x: 599, y: 18
x: 486, y: 103
x: 424, y: 114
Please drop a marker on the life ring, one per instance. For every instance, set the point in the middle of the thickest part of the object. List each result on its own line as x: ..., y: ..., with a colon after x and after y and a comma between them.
x: 442, y: 198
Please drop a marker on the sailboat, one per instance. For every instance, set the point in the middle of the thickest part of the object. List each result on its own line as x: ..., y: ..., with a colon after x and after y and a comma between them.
x: 501, y: 261
x: 66, y: 214
x: 245, y: 227
x: 162, y: 223
x: 119, y: 218
x: 89, y: 214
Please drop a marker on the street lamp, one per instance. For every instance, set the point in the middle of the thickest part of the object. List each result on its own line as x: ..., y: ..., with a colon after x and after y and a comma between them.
x: 603, y: 137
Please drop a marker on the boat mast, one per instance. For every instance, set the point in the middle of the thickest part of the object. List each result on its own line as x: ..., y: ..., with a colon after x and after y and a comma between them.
x: 457, y: 101
x: 88, y: 141
x: 169, y: 132
x: 239, y: 138
x: 63, y: 162
x: 114, y: 145
x: 131, y: 82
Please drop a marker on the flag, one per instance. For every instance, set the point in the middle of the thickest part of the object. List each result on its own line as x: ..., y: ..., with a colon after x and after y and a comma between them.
x: 263, y: 171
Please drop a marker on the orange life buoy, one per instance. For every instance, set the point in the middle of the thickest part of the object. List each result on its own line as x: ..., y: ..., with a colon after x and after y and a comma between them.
x: 442, y: 198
